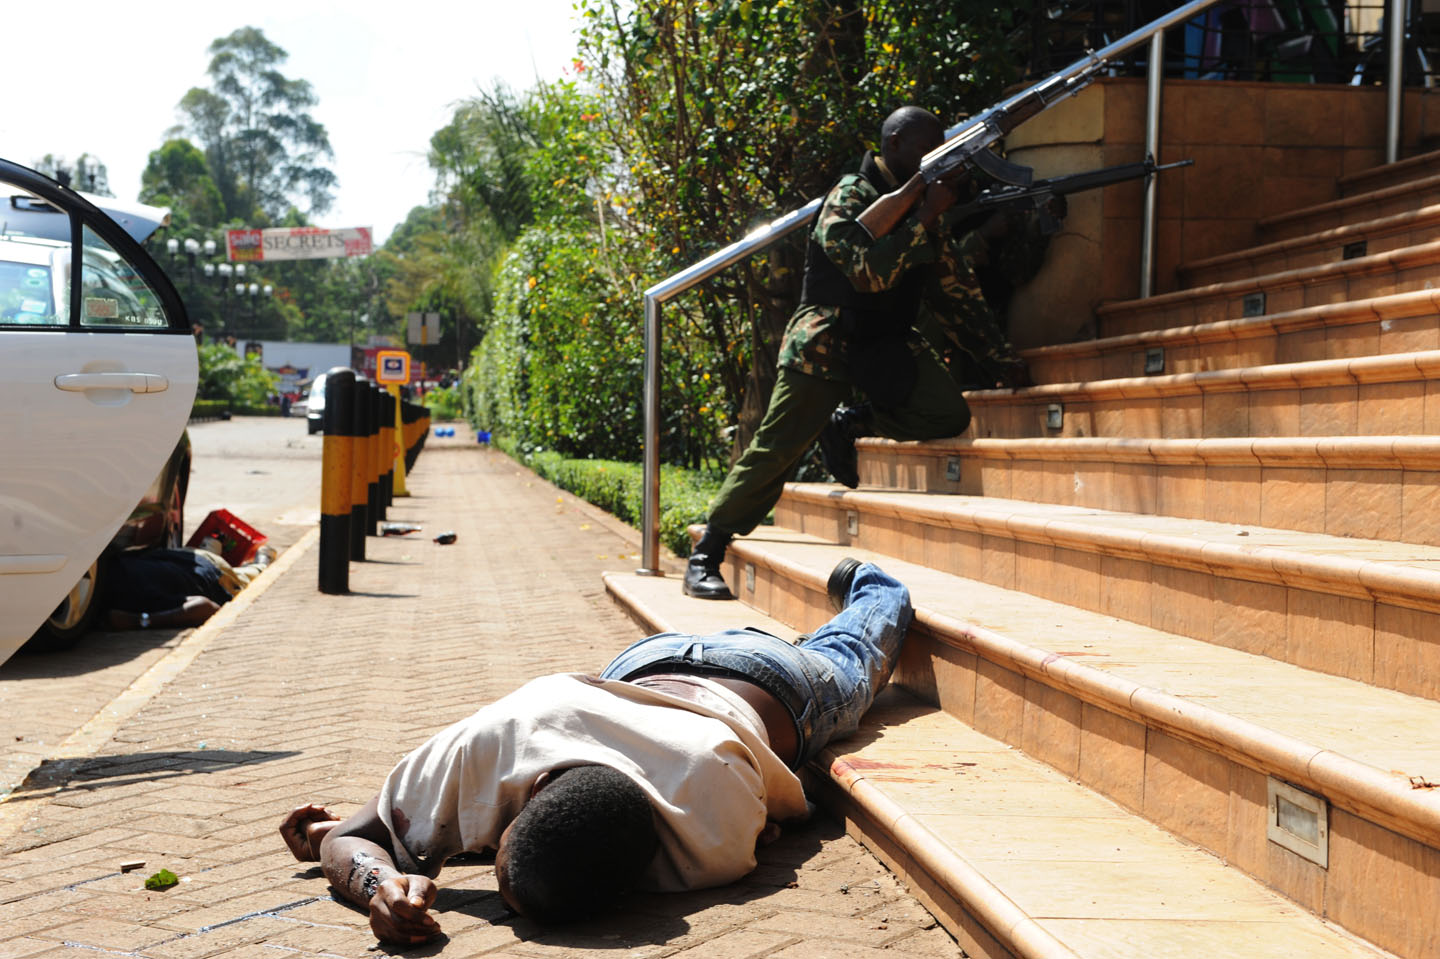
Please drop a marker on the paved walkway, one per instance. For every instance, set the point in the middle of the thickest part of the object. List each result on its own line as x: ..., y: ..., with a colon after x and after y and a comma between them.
x: 289, y: 695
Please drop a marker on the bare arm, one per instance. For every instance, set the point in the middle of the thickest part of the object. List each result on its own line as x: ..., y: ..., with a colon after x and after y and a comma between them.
x: 357, y: 859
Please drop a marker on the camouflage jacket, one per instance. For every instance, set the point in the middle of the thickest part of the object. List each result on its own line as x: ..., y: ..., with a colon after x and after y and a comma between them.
x: 952, y: 298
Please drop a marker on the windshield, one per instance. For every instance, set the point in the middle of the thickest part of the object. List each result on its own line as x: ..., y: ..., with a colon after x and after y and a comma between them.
x: 317, y: 393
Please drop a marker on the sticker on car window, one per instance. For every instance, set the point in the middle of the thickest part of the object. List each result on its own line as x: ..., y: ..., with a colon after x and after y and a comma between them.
x: 99, y: 308
x: 35, y: 282
x: 34, y: 306
x: 38, y: 272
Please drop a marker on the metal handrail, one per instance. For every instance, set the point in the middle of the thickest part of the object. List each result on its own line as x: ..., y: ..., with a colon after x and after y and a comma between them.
x: 672, y: 286
x: 783, y: 226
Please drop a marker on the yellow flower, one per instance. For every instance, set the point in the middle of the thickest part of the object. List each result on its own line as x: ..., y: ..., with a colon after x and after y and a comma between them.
x: 530, y: 283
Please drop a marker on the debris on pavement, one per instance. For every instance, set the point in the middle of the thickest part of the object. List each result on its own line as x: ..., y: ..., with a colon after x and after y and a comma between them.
x: 399, y: 529
x: 130, y: 865
x: 445, y: 538
x: 163, y: 879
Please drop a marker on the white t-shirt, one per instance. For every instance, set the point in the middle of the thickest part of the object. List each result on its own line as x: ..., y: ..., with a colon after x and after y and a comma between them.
x: 710, y: 774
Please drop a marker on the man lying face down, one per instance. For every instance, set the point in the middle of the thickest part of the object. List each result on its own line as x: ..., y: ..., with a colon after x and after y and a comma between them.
x: 661, y: 773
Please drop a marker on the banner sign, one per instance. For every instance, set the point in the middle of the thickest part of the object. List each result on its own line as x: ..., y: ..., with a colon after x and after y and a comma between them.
x: 297, y: 243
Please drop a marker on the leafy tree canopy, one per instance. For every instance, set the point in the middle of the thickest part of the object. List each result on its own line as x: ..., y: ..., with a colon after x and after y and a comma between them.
x: 266, y: 152
x: 178, y: 176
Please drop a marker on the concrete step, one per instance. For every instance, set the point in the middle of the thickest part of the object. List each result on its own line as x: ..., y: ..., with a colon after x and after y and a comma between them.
x: 1410, y: 228
x: 1383, y: 395
x: 1369, y: 487
x: 1366, y: 610
x: 1396, y: 271
x: 1355, y: 208
x: 1396, y: 323
x: 1408, y: 170
x: 1013, y: 856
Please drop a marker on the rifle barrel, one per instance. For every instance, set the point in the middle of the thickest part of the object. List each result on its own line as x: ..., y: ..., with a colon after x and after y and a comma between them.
x: 1094, y: 179
x: 1080, y: 69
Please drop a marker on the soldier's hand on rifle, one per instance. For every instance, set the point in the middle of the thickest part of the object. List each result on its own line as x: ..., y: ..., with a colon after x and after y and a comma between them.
x: 939, y: 197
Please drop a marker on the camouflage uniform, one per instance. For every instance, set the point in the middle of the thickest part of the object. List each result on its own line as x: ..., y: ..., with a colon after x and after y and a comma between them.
x: 952, y: 328
x: 953, y: 312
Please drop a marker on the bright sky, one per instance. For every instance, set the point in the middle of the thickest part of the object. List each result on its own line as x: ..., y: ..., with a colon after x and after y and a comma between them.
x: 106, y: 77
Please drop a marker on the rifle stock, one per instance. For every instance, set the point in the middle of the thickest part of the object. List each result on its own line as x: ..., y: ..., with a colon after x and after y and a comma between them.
x: 882, y: 216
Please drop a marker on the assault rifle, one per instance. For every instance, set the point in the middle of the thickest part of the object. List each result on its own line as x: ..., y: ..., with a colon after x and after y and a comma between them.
x: 1038, y: 194
x: 881, y: 216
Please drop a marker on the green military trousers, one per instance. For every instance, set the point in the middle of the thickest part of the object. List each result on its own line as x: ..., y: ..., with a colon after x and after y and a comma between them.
x: 799, y: 408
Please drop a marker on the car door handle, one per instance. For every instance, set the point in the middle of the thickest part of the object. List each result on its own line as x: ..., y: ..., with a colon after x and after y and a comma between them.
x: 134, y: 382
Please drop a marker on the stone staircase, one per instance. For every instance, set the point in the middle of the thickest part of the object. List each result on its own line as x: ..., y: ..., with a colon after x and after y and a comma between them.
x: 1173, y: 687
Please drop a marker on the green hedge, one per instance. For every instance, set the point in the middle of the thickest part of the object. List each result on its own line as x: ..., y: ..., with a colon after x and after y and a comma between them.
x: 209, y: 409
x: 618, y: 488
x: 214, y: 409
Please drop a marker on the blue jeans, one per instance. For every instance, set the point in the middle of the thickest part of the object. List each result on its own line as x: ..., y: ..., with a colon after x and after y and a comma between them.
x: 827, y: 680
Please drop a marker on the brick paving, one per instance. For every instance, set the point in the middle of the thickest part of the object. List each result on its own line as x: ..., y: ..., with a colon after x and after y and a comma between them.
x: 307, y: 697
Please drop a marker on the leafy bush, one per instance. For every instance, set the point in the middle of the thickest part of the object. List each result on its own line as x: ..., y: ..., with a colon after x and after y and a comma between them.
x: 240, y: 381
x: 443, y: 403
x: 618, y: 488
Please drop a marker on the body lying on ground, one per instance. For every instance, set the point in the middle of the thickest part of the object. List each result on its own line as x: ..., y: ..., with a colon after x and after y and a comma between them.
x: 663, y: 772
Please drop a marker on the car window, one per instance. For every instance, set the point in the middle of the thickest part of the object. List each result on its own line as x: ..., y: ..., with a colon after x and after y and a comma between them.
x: 34, y: 260
x: 28, y: 291
x: 112, y: 293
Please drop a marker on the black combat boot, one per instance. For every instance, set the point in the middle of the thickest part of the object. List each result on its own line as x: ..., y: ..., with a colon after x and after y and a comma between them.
x: 702, y: 575
x: 837, y: 442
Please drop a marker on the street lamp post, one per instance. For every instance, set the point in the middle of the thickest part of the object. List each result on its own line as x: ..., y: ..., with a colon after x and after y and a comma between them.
x: 225, y: 271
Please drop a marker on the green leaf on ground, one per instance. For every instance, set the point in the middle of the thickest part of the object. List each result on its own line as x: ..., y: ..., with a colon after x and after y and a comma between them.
x: 163, y: 879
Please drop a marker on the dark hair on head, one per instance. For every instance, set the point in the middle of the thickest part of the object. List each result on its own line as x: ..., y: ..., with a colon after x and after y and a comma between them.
x: 579, y: 844
x: 907, y: 118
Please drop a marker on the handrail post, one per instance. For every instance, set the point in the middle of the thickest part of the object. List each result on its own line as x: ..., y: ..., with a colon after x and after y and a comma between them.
x: 650, y: 511
x: 1395, y: 90
x: 1153, y: 90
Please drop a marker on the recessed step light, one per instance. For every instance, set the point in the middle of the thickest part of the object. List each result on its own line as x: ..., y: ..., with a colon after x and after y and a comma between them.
x: 1298, y: 821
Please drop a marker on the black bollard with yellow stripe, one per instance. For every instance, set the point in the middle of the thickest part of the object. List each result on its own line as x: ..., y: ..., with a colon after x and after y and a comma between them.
x: 382, y: 469
x: 360, y: 473
x: 387, y: 444
x: 337, y: 464
x: 372, y: 489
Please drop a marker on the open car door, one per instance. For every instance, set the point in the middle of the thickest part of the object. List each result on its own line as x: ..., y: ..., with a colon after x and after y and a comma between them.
x: 98, y: 370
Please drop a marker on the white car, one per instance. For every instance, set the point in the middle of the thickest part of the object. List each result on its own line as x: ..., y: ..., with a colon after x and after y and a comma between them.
x: 98, y: 372
x: 315, y: 405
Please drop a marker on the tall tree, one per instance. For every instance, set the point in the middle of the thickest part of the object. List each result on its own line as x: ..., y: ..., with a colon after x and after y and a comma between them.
x: 266, y: 152
x: 178, y: 176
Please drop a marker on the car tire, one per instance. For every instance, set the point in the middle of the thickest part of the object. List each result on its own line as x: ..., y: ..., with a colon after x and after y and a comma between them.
x: 313, y: 426
x: 74, y: 617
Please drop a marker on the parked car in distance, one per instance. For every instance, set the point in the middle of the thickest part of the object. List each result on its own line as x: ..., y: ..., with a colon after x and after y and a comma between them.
x: 315, y: 405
